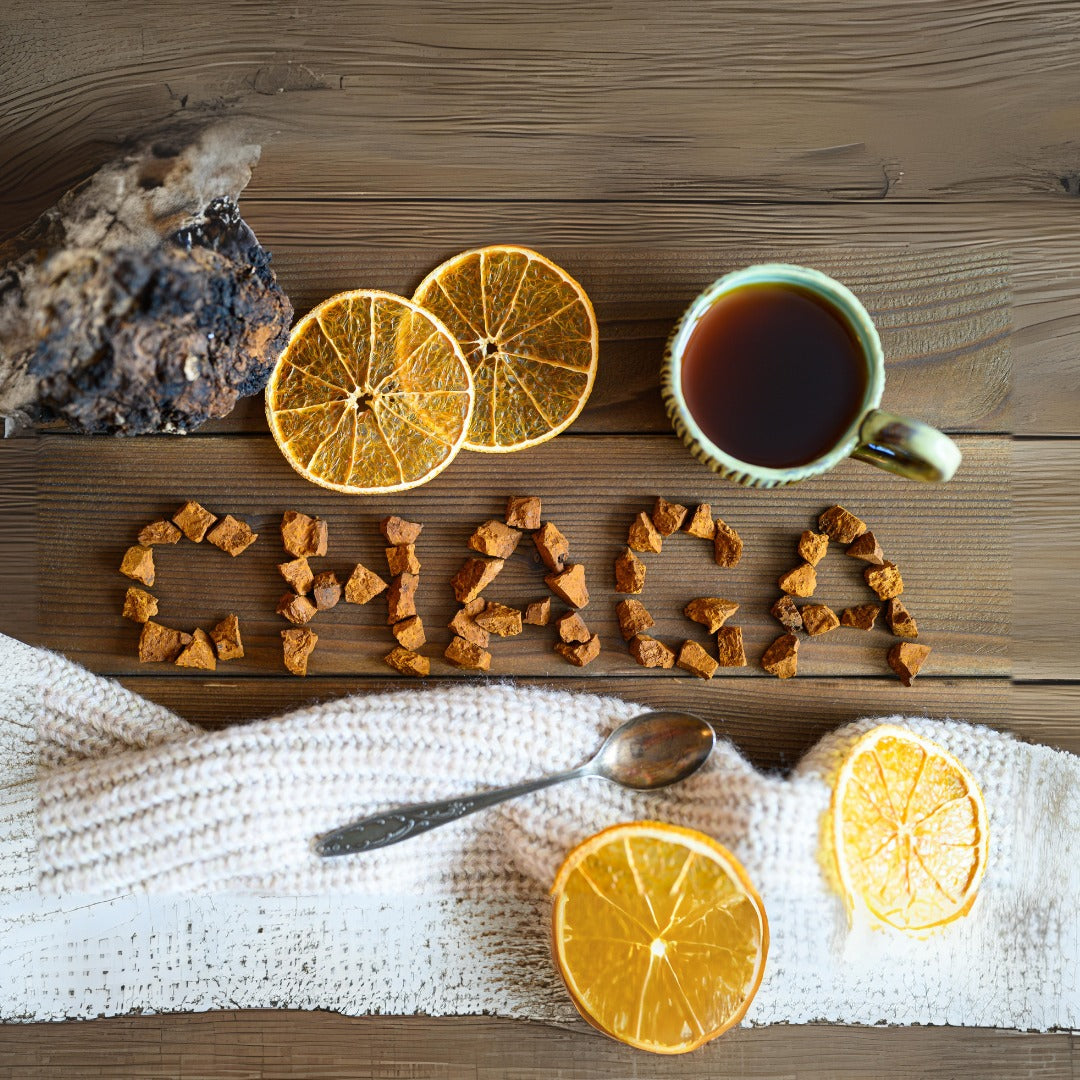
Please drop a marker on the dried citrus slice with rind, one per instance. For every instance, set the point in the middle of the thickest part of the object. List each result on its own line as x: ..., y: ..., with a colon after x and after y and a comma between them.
x: 529, y: 333
x: 372, y: 394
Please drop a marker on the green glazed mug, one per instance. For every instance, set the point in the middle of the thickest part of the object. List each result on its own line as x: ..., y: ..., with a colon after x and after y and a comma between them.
x: 895, y: 443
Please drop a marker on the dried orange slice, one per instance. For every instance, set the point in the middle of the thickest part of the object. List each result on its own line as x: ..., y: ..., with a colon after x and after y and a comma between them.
x: 659, y: 935
x: 372, y: 394
x: 909, y: 830
x: 529, y: 333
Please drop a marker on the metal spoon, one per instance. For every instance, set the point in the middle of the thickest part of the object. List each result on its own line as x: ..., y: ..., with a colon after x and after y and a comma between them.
x: 649, y: 751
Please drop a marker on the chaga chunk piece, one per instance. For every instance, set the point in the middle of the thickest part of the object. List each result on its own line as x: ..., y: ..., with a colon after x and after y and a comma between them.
x: 297, y: 646
x: 552, y: 546
x: 569, y: 586
x: 900, y: 620
x: 786, y: 612
x: 819, y: 619
x: 538, y: 613
x: 466, y: 654
x: 226, y: 638
x: 401, y: 559
x: 406, y: 662
x: 297, y: 609
x: 906, y: 658
x: 649, y: 652
x: 633, y: 618
x: 159, y: 532
x: 782, y: 657
x: 199, y: 653
x: 693, y: 658
x: 711, y: 611
x: 861, y: 616
x: 885, y: 580
x: 643, y: 534
x: 410, y: 632
x: 668, y: 516
x: 363, y: 585
x: 401, y: 599
x: 629, y: 573
x: 868, y: 549
x: 523, y: 512
x: 499, y: 619
x: 727, y: 545
x: 495, y: 538
x: 139, y: 605
x: 297, y: 573
x: 398, y: 531
x: 802, y: 581
x: 161, y: 644
x: 841, y: 525
x: 581, y: 654
x: 701, y: 522
x: 729, y: 645
x: 138, y: 564
x: 232, y: 535
x: 474, y: 576
x: 572, y: 628
x: 194, y: 521
x: 326, y: 590
x: 303, y: 535
x: 812, y: 547
x: 464, y: 625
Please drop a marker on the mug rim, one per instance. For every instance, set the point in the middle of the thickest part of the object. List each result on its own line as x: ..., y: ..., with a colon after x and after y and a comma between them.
x: 846, y: 303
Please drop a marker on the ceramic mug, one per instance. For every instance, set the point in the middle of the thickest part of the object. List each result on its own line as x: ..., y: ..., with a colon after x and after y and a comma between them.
x: 908, y: 447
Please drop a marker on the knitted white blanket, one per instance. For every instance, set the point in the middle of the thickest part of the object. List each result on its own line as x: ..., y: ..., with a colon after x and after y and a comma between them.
x: 146, y: 865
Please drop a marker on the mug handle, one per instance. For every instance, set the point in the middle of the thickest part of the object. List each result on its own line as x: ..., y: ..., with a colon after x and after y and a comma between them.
x: 907, y: 447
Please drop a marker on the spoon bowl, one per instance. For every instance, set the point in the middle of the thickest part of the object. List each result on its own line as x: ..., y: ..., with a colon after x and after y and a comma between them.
x: 654, y: 750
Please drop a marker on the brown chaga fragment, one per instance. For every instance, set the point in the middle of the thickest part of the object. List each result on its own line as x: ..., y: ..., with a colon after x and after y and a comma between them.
x: 466, y: 654
x: 802, y: 581
x: 232, y: 535
x: 711, y: 611
x: 868, y: 549
x: 194, y: 520
x: 569, y: 586
x: 138, y: 564
x: 406, y: 662
x: 326, y: 589
x: 538, y: 613
x: 649, y: 652
x: 297, y: 609
x: 819, y: 619
x: 159, y: 532
x: 572, y: 628
x: 629, y: 573
x: 401, y: 559
x: 303, y: 535
x: 161, y: 644
x: 401, y: 598
x: 581, y: 654
x: 297, y: 573
x: 495, y: 538
x: 226, y: 638
x: 474, y: 576
x: 523, y: 512
x: 860, y: 617
x: 701, y: 522
x: 812, y: 547
x: 727, y: 545
x: 363, y: 585
x: 464, y: 625
x: 668, y: 516
x: 199, y: 653
x: 410, y: 632
x: 643, y: 534
x: 885, y: 580
x: 552, y: 545
x: 841, y: 525
x: 297, y: 646
x: 399, y: 531
x: 900, y: 620
x: 786, y: 612
x: 693, y: 658
x: 782, y: 657
x: 499, y: 619
x: 139, y: 605
x: 906, y: 658
x: 633, y: 618
x: 729, y: 646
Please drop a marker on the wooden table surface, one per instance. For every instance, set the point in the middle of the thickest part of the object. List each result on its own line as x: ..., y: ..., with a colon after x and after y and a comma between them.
x: 926, y: 153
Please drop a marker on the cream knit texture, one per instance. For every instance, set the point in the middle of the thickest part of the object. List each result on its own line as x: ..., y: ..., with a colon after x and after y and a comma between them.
x: 145, y: 864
